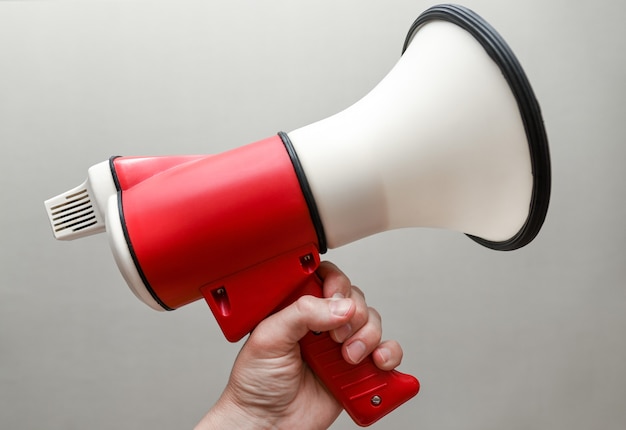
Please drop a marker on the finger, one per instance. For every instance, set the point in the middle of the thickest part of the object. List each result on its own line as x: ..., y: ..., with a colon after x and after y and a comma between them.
x: 335, y: 282
x: 358, y: 320
x: 365, y: 340
x: 279, y: 333
x: 388, y: 355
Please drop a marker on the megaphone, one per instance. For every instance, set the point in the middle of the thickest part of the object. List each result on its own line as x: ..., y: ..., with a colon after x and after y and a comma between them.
x: 451, y: 138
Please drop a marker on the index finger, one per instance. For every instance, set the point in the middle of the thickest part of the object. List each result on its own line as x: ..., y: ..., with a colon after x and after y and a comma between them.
x: 335, y: 282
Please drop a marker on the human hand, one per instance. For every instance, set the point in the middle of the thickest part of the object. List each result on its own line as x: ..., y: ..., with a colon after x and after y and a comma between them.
x: 271, y: 387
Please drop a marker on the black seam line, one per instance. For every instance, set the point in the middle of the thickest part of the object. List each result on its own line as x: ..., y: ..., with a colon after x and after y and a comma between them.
x: 306, y: 191
x: 134, y: 257
x: 503, y: 56
x: 116, y: 180
x: 129, y: 244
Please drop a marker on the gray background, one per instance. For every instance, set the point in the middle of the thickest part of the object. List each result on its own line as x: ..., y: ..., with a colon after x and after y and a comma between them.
x: 533, y: 339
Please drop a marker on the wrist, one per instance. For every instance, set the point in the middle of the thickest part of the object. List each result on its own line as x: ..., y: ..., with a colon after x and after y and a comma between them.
x: 226, y: 414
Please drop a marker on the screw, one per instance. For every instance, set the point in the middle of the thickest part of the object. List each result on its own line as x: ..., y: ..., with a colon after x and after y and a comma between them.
x: 376, y: 400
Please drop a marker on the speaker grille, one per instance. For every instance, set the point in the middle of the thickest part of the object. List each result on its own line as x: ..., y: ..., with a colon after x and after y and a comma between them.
x: 76, y: 213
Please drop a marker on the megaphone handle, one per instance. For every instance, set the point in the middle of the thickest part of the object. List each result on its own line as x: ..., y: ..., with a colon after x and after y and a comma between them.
x: 366, y: 392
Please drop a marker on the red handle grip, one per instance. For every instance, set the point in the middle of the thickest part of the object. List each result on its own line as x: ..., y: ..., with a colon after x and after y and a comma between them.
x: 366, y: 392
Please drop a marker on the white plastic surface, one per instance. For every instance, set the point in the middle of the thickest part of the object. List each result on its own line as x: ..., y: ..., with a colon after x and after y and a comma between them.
x: 122, y: 256
x: 94, y: 209
x: 438, y: 143
x: 79, y: 212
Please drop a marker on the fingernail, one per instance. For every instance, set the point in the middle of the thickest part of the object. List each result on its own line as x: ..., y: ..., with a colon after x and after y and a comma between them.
x: 343, y: 332
x: 383, y: 354
x: 338, y: 296
x: 339, y: 307
x: 356, y: 351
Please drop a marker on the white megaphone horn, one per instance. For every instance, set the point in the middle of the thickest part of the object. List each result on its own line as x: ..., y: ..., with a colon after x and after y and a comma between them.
x: 451, y: 138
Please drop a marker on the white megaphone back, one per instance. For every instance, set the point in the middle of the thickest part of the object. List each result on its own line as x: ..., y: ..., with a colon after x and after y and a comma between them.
x: 452, y: 138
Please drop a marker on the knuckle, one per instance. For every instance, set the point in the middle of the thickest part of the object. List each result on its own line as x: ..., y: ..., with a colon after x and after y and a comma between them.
x: 374, y: 313
x: 359, y: 291
x: 304, y: 304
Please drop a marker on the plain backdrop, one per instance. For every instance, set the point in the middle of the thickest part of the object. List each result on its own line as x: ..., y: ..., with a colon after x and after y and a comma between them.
x: 532, y: 339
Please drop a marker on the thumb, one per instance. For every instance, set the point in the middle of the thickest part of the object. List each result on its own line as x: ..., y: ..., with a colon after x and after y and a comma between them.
x: 279, y: 333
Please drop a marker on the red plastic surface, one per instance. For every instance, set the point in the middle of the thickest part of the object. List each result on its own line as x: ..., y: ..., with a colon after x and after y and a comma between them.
x: 130, y: 171
x: 192, y: 221
x: 241, y: 301
x: 366, y: 392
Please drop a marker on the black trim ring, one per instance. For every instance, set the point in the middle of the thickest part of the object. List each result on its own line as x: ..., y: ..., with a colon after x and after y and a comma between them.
x: 131, y: 250
x: 306, y: 191
x: 529, y: 108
